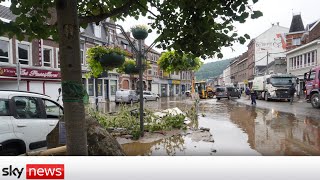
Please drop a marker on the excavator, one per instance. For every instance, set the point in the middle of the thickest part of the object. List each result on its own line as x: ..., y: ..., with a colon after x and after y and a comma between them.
x: 205, y: 91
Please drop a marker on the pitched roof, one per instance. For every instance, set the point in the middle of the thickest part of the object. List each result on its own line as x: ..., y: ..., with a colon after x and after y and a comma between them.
x: 6, y: 13
x: 296, y: 24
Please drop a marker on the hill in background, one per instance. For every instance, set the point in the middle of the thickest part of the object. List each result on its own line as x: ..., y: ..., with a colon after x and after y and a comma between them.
x: 212, y: 69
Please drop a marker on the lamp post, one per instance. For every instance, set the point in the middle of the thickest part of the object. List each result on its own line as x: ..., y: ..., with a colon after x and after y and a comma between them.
x: 267, y: 70
x: 140, y: 53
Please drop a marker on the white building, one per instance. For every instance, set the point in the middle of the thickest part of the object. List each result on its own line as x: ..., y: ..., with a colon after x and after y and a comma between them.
x: 272, y: 41
x: 227, y: 77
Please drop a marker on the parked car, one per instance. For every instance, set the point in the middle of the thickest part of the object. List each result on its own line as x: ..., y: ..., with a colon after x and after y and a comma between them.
x: 227, y: 92
x: 25, y: 121
x: 149, y: 96
x: 126, y: 96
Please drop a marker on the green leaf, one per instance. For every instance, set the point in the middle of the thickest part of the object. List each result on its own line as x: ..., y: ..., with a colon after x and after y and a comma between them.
x: 247, y: 36
x: 256, y: 14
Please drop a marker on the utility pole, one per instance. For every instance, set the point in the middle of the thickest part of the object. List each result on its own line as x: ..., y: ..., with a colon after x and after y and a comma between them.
x: 267, y: 62
x: 140, y: 86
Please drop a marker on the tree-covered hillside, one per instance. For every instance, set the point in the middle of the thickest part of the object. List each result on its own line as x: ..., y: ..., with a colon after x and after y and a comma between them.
x: 212, y: 69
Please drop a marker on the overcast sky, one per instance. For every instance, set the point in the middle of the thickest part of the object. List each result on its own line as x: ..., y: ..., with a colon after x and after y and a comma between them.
x: 273, y: 11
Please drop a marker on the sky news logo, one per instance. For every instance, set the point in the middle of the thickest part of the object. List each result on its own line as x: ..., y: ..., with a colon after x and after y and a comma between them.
x: 35, y: 171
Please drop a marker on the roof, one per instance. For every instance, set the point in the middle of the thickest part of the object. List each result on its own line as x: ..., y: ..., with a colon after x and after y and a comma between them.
x: 6, y: 13
x: 311, y: 25
x: 296, y: 24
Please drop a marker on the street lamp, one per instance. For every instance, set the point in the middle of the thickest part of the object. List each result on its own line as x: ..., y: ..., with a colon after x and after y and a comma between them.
x: 267, y: 70
x: 140, y: 53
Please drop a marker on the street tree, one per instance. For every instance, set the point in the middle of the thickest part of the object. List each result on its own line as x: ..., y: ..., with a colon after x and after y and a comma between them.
x: 199, y: 27
x: 172, y: 61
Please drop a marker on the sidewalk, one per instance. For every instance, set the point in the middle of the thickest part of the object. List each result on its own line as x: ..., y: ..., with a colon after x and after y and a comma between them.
x: 299, y: 107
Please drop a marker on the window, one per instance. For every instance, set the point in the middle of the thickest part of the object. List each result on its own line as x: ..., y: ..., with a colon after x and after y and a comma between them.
x: 313, y: 58
x: 305, y: 60
x: 309, y: 59
x: 149, y: 72
x: 27, y: 108
x: 99, y: 81
x: 97, y: 30
x: 124, y: 46
x: 24, y: 53
x: 53, y: 110
x: 4, y: 108
x: 4, y: 51
x: 47, y: 57
x: 58, y: 57
x: 82, y: 55
x: 90, y: 87
x: 296, y: 41
x: 113, y: 87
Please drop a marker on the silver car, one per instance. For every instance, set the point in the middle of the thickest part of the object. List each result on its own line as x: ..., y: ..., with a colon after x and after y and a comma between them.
x: 126, y: 96
x: 149, y: 96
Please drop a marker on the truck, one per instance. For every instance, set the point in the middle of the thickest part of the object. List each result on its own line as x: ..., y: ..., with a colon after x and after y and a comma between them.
x: 273, y: 86
x: 312, y: 87
x: 205, y: 91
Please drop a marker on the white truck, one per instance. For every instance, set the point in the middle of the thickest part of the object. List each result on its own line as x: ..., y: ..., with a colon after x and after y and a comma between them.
x: 273, y: 86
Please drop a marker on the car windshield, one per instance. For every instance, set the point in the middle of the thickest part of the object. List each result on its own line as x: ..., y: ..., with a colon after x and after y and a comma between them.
x: 282, y: 81
x: 220, y: 89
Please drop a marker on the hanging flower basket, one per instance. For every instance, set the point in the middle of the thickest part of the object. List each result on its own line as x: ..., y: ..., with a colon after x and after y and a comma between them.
x: 112, y: 60
x: 131, y: 69
x: 102, y: 59
x: 140, y: 32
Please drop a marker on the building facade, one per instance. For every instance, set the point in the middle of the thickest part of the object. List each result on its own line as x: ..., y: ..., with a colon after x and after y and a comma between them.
x: 227, y: 76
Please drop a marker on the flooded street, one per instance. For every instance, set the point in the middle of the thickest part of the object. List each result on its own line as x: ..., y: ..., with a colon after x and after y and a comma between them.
x: 237, y: 129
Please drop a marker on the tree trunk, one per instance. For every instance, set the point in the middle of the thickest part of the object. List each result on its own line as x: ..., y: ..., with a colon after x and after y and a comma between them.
x: 71, y: 77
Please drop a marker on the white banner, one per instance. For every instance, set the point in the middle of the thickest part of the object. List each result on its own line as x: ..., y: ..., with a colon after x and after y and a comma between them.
x: 160, y: 168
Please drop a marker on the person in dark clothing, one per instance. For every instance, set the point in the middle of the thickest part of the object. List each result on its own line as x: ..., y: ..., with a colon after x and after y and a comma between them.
x: 253, y: 97
x: 292, y: 90
x: 247, y: 91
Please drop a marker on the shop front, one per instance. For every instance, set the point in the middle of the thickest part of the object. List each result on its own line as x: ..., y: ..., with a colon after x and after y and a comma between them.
x: 32, y: 80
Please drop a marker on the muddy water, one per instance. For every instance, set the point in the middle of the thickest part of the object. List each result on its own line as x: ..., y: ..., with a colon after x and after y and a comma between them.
x: 237, y: 130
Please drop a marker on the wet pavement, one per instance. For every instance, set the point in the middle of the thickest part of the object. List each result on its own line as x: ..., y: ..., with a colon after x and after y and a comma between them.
x: 238, y: 129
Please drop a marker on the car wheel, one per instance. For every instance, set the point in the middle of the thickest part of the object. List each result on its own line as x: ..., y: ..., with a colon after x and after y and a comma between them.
x: 157, y: 99
x: 315, y: 100
x: 229, y: 97
x: 218, y: 98
x: 239, y: 96
x: 117, y: 103
x: 9, y: 152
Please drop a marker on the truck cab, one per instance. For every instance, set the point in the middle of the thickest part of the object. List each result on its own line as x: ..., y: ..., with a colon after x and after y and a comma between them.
x: 312, y: 88
x: 274, y: 86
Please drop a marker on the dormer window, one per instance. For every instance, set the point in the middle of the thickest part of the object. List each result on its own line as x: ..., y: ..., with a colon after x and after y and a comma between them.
x: 296, y: 41
x: 97, y: 30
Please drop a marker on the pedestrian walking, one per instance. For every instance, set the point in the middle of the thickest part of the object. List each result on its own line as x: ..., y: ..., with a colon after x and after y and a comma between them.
x: 292, y: 90
x: 253, y: 97
x: 247, y: 91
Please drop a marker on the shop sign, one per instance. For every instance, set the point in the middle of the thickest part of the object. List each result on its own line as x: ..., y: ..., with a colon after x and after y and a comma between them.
x: 31, y: 73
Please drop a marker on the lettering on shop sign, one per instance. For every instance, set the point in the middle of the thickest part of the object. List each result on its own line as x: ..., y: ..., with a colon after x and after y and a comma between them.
x: 34, y: 73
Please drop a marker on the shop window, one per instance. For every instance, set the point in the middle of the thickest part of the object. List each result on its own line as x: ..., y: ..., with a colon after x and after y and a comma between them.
x: 90, y: 87
x: 113, y: 87
x: 4, y: 51
x: 99, y: 87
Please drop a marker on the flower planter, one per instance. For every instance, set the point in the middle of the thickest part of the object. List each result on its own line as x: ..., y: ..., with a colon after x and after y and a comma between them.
x: 131, y: 69
x: 112, y: 60
x: 139, y: 34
